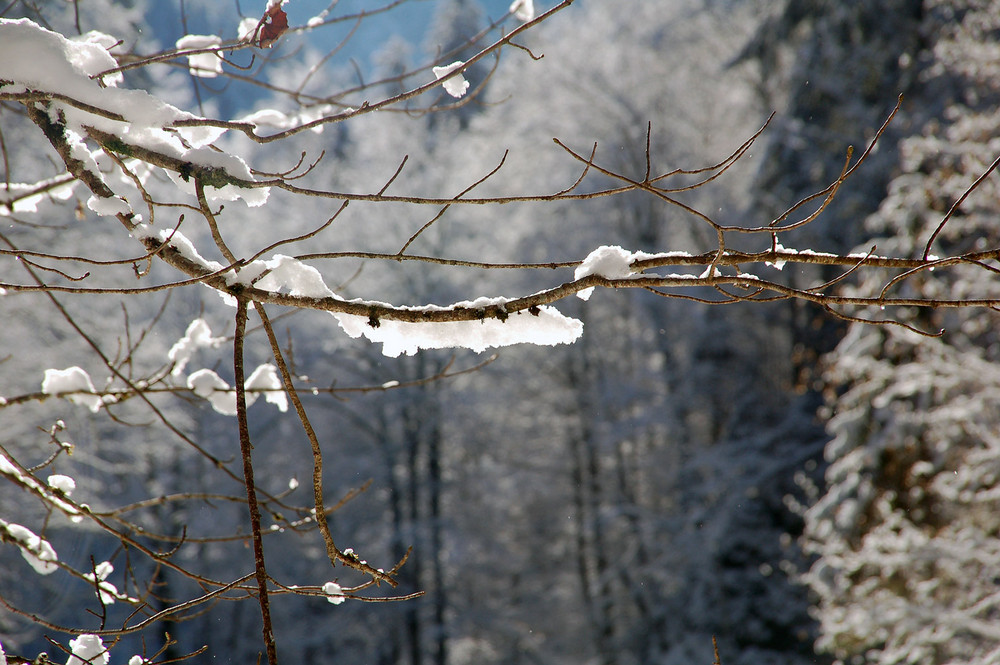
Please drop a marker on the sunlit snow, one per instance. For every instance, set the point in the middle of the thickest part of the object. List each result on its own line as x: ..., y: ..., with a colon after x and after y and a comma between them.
x: 36, y: 550
x: 523, y: 10
x: 197, y: 336
x: 609, y: 261
x: 209, y: 385
x: 547, y: 327
x: 456, y: 86
x: 87, y: 650
x: 205, y: 65
x: 265, y: 380
x: 72, y: 380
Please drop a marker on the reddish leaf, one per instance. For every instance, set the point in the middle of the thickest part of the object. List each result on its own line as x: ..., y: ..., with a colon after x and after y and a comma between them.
x: 276, y: 23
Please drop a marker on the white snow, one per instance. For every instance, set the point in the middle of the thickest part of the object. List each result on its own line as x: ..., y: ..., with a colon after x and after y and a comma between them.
x: 547, y: 328
x: 106, y: 591
x: 779, y: 249
x: 265, y: 378
x: 523, y: 10
x: 247, y: 27
x: 36, y: 550
x: 610, y: 261
x: 72, y: 380
x: 205, y: 65
x: 288, y: 273
x: 184, y: 247
x: 64, y: 484
x: 334, y: 592
x: 29, y: 204
x: 456, y: 86
x: 197, y: 336
x: 209, y: 385
x: 109, y: 207
x: 3, y: 656
x: 87, y: 650
x: 33, y: 58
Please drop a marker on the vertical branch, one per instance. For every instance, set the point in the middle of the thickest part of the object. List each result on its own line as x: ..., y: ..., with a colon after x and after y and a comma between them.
x: 245, y: 451
x: 332, y: 551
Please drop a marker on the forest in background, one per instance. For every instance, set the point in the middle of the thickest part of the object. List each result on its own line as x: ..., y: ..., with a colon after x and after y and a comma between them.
x: 801, y: 487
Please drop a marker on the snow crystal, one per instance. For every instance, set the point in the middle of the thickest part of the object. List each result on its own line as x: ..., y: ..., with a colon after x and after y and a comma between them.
x: 87, y: 650
x: 205, y: 65
x: 3, y: 656
x: 209, y: 385
x: 456, y: 86
x: 265, y: 378
x: 134, y: 660
x: 293, y: 483
x: 334, y: 592
x: 546, y: 327
x: 64, y: 484
x: 36, y: 550
x: 197, y: 336
x: 523, y: 10
x: 72, y: 380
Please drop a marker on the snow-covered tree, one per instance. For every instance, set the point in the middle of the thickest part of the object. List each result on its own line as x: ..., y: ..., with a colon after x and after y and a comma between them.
x: 905, y: 532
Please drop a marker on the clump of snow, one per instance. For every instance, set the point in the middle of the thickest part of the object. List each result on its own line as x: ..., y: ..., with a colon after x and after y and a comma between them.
x: 106, y: 591
x: 179, y: 242
x: 197, y: 336
x: 609, y: 261
x: 22, y: 197
x: 34, y: 58
x: 334, y: 592
x: 36, y: 550
x: 265, y: 380
x: 62, y: 483
x: 710, y: 271
x: 455, y: 86
x: 110, y: 206
x: 87, y: 650
x: 779, y: 249
x: 546, y: 327
x: 286, y: 272
x: 57, y: 500
x: 72, y: 380
x: 206, y: 65
x: 209, y: 385
x: 268, y: 117
x: 523, y: 10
